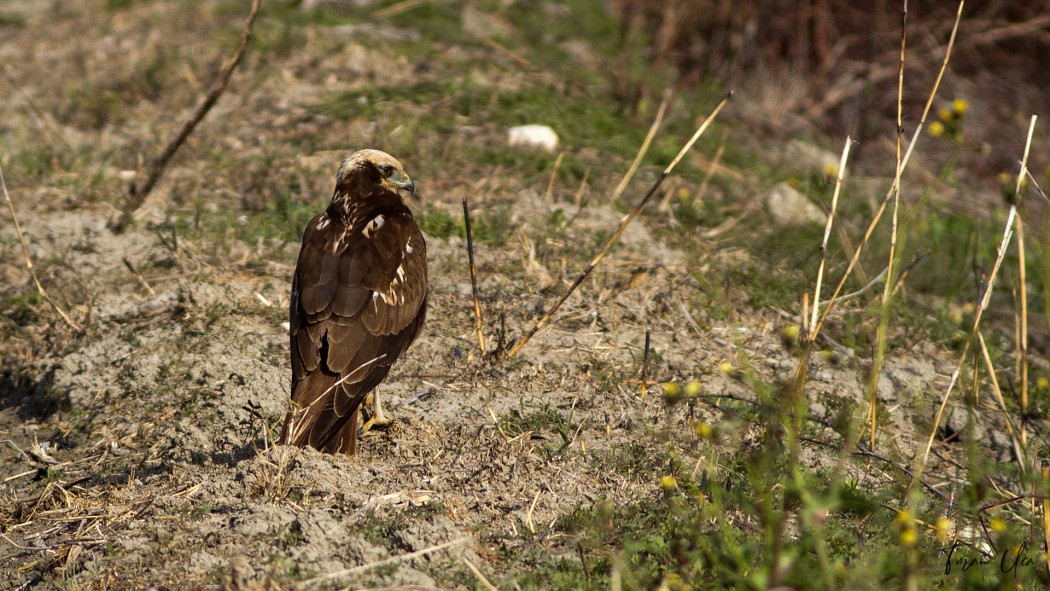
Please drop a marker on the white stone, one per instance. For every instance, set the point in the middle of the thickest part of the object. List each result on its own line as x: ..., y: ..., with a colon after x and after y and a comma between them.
x: 789, y: 206
x: 540, y: 136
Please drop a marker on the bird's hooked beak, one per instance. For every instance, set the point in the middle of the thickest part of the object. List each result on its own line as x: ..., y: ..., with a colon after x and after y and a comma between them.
x: 402, y: 181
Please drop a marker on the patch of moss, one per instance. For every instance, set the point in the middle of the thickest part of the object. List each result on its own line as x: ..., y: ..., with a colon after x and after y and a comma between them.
x: 12, y: 20
x: 489, y: 227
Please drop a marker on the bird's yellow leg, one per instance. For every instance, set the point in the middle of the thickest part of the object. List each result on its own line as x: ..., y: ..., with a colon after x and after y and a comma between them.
x: 377, y: 418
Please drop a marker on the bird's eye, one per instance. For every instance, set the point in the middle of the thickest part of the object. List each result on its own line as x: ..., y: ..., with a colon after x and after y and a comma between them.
x: 386, y: 169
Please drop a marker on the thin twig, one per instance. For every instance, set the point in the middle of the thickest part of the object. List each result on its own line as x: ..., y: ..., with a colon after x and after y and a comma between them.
x: 29, y: 262
x: 645, y: 366
x: 545, y: 319
x: 392, y: 560
x: 142, y: 280
x: 473, y: 277
x: 849, y: 296
x: 1003, y: 245
x: 477, y: 573
x: 138, y: 193
x: 1018, y: 447
x: 502, y: 433
x: 528, y: 515
x: 645, y: 147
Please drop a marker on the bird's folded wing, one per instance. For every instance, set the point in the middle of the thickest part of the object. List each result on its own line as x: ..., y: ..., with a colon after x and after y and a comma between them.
x: 354, y: 296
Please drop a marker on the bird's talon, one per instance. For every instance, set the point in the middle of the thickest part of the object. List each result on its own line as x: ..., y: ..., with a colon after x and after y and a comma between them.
x: 376, y: 418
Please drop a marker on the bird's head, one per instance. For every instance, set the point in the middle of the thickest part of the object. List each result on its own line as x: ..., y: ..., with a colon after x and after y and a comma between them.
x: 376, y: 167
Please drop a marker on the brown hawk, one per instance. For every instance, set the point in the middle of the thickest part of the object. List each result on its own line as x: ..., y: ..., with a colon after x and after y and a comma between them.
x: 359, y: 298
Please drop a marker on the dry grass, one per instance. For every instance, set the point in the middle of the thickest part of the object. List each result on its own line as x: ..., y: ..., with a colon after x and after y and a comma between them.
x: 546, y: 318
x: 982, y: 306
x: 29, y: 261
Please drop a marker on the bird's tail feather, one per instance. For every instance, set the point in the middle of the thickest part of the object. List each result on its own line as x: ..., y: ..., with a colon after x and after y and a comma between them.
x: 312, y: 420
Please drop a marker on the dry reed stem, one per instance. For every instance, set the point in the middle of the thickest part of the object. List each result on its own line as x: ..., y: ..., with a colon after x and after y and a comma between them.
x: 827, y: 230
x: 554, y: 176
x: 473, y: 277
x: 1023, y: 336
x: 495, y: 420
x: 528, y: 516
x: 1003, y: 244
x: 545, y: 319
x: 514, y: 57
x: 904, y: 163
x: 138, y: 193
x: 396, y: 9
x: 392, y: 560
x: 29, y: 261
x: 477, y: 573
x: 1014, y: 439
x: 809, y: 322
x: 644, y: 149
x: 1045, y: 471
x: 887, y: 292
x: 805, y: 313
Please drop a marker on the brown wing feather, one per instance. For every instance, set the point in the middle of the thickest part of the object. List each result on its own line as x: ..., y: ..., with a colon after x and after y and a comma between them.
x: 358, y: 302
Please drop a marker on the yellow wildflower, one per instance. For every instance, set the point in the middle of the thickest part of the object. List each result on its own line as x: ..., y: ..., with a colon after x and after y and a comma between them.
x: 904, y: 518
x: 909, y: 537
x: 703, y: 430
x: 668, y: 483
x: 943, y: 526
